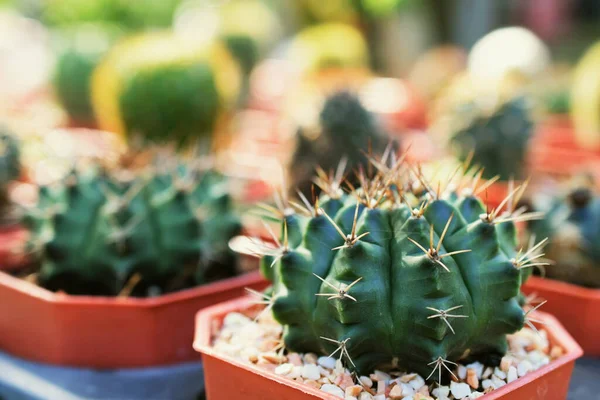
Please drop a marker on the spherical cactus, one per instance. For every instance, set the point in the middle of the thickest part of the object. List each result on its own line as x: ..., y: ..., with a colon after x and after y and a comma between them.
x: 572, y: 225
x: 164, y: 87
x: 399, y: 272
x: 498, y: 141
x: 81, y: 49
x: 585, y: 99
x: 344, y: 128
x: 101, y: 234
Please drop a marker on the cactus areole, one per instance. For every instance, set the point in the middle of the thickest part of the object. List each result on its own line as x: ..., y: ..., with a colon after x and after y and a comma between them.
x: 399, y: 273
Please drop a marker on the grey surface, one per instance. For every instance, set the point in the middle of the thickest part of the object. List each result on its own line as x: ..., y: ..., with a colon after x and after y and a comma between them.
x: 585, y: 382
x: 24, y: 380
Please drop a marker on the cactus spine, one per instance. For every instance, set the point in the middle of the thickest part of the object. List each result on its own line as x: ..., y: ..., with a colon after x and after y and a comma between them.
x: 398, y: 272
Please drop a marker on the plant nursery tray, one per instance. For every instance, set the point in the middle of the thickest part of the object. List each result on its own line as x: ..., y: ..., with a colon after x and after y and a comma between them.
x: 550, y: 382
x: 574, y: 306
x: 107, y: 332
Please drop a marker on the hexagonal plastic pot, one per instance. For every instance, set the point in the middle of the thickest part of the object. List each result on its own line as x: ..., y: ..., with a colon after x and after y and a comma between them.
x: 574, y: 306
x: 550, y: 382
x: 12, y: 237
x: 107, y: 332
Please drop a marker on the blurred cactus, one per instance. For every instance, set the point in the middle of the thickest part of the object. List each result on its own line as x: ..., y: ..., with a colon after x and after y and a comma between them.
x: 399, y: 272
x: 572, y: 225
x: 10, y: 169
x: 497, y: 141
x: 98, y: 233
x: 81, y: 50
x: 344, y: 128
x: 164, y: 87
x: 585, y: 98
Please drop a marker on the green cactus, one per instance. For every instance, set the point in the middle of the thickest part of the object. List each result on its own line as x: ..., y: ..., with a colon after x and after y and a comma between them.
x: 498, y: 141
x: 572, y: 225
x: 10, y: 169
x: 96, y: 232
x: 345, y: 128
x: 398, y: 273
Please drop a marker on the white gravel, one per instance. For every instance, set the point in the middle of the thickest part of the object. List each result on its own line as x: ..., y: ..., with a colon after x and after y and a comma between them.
x: 259, y: 343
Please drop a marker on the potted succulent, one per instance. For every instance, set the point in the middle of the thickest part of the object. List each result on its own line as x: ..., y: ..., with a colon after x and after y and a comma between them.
x: 121, y: 262
x: 572, y: 284
x: 495, y: 139
x: 394, y: 276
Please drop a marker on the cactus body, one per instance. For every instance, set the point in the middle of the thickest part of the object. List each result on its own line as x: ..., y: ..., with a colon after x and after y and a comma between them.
x: 572, y: 226
x: 498, y: 141
x: 163, y: 87
x: 10, y: 167
x: 436, y: 281
x: 95, y: 232
x: 344, y: 128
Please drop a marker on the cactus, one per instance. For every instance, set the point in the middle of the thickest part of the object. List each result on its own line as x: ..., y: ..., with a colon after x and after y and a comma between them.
x: 345, y: 127
x: 10, y: 168
x: 164, y: 87
x: 572, y: 225
x: 498, y: 141
x: 99, y: 234
x: 398, y: 272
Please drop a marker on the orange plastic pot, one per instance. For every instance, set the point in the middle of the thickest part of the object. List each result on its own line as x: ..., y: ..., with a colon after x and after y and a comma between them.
x: 105, y: 332
x: 576, y: 307
x: 12, y: 238
x: 550, y: 382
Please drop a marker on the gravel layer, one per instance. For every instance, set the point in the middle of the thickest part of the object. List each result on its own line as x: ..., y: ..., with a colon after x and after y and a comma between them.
x: 259, y: 343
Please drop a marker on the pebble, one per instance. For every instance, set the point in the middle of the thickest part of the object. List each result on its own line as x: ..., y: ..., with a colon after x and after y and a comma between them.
x: 475, y: 395
x: 365, y: 396
x: 462, y: 371
x: 326, y: 362
x: 296, y: 372
x: 524, y: 367
x: 334, y: 390
x: 284, y: 369
x: 407, y: 389
x: 366, y: 381
x: 472, y: 379
x: 459, y: 390
x: 417, y: 382
x: 379, y: 397
x: 311, y: 371
x: 396, y: 392
x: 487, y: 373
x: 441, y: 391
x: 499, y: 373
x: 511, y: 375
x: 487, y: 383
x: 498, y: 383
x: 353, y: 390
x: 477, y: 367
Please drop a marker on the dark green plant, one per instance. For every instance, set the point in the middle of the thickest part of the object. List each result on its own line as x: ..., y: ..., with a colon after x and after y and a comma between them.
x: 399, y: 273
x: 346, y: 130
x: 572, y: 224
x: 97, y: 233
x: 10, y: 169
x: 498, y: 141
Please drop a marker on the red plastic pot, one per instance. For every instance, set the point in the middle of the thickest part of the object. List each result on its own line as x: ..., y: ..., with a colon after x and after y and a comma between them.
x: 12, y: 239
x: 550, y: 382
x: 104, y: 332
x: 576, y: 307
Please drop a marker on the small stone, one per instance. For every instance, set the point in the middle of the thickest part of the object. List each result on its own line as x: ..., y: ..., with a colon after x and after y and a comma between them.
x: 311, y: 371
x: 556, y: 352
x: 380, y: 376
x: 312, y: 383
x: 381, y: 387
x: 475, y: 395
x: 339, y: 367
x: 461, y: 372
x: 459, y: 390
x: 353, y: 390
x: 294, y: 358
x: 379, y: 397
x: 499, y: 373
x: 421, y: 396
x: 296, y: 372
x: 487, y: 383
x: 408, y: 398
x: 477, y: 367
x: 326, y: 362
x: 511, y: 375
x: 407, y: 389
x: 472, y: 379
x: 505, y: 363
x: 396, y: 392
x: 344, y: 380
x: 334, y: 390
x: 487, y: 373
x: 441, y: 391
x: 366, y: 381
x: 350, y: 398
x: 273, y: 358
x: 417, y: 382
x: 365, y: 396
x: 407, y: 378
x: 498, y: 383
x: 284, y: 369
x: 310, y: 358
x: 424, y: 390
x: 524, y: 367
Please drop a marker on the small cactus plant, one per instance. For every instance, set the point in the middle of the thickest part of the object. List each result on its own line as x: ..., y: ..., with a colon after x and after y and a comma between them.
x: 572, y: 225
x: 498, y: 141
x: 10, y: 169
x: 399, y: 273
x: 98, y: 233
x: 344, y: 128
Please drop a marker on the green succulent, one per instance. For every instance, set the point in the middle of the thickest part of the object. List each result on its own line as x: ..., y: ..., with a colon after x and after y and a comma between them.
x: 97, y: 232
x: 497, y: 141
x: 396, y: 273
x: 10, y: 168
